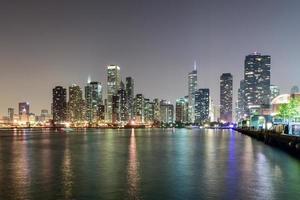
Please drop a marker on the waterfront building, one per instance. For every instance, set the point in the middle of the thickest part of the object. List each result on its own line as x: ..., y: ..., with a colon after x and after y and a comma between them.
x: 257, y: 76
x: 275, y: 91
x: 166, y: 111
x: 93, y: 98
x: 32, y: 118
x: 202, y: 102
x: 75, y: 104
x: 24, y: 108
x: 226, y: 96
x: 59, y: 104
x: 130, y: 96
x: 45, y: 116
x: 156, y: 108
x: 11, y: 113
x: 113, y: 85
x: 149, y: 111
x: 241, y: 102
x: 122, y: 112
x: 24, y: 112
x: 192, y: 87
x: 115, y: 109
x: 139, y: 108
x: 182, y: 110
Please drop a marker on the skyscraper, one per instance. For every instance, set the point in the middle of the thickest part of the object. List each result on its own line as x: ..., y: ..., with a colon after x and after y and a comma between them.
x: 59, y: 104
x: 192, y: 87
x: 123, y: 114
x: 130, y: 96
x: 275, y: 91
x: 24, y: 108
x: 182, y: 110
x: 241, y: 102
x: 11, y: 113
x: 202, y: 102
x: 156, y: 108
x: 257, y: 81
x: 226, y: 93
x: 139, y: 108
x: 75, y: 104
x: 93, y: 98
x: 115, y: 109
x: 113, y: 85
x: 166, y: 111
x: 149, y: 111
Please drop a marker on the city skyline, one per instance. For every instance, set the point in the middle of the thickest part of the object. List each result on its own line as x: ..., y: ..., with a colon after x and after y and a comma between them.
x: 54, y: 52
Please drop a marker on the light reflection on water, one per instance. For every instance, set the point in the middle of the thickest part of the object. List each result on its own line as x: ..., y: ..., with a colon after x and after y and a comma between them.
x: 132, y: 169
x: 144, y: 164
x: 67, y: 173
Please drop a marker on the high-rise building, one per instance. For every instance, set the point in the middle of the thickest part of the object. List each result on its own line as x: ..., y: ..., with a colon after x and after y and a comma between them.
x: 139, y: 108
x: 59, y: 104
x: 156, y: 110
x: 295, y: 89
x: 75, y: 104
x: 93, y: 98
x: 182, y: 110
x: 123, y: 113
x: 130, y: 96
x: 241, y: 102
x: 257, y: 76
x: 202, y: 102
x: 113, y: 85
x: 11, y: 113
x: 24, y: 108
x: 115, y: 109
x: 166, y: 112
x: 275, y: 91
x: 148, y: 111
x: 192, y: 87
x: 45, y: 116
x: 24, y: 112
x: 226, y: 96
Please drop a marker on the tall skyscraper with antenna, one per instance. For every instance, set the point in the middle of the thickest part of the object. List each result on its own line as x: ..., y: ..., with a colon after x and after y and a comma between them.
x: 192, y: 87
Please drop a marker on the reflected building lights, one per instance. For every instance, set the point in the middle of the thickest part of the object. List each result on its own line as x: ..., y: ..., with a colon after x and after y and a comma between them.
x: 67, y: 173
x: 132, y: 169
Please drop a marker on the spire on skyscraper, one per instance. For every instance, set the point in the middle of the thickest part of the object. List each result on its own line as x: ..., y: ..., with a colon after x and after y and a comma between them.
x: 195, y: 65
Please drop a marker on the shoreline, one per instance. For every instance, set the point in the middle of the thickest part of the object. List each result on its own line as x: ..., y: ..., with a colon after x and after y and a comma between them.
x: 288, y: 143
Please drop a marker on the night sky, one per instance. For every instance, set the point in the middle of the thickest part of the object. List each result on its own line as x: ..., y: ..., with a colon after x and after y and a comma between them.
x: 56, y: 42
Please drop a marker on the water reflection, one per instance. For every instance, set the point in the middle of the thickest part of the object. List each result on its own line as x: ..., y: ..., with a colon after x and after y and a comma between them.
x: 67, y: 173
x: 20, y: 169
x: 132, y: 169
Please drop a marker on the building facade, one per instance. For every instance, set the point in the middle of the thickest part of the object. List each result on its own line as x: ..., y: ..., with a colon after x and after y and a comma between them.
x: 166, y: 112
x: 93, y: 98
x: 202, y: 102
x: 75, y: 104
x: 275, y: 91
x: 257, y: 77
x: 113, y: 85
x: 192, y: 87
x: 130, y: 96
x: 182, y: 110
x: 226, y: 97
x: 59, y: 104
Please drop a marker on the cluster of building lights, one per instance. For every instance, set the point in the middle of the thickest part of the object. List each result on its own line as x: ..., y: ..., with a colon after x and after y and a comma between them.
x: 77, y: 108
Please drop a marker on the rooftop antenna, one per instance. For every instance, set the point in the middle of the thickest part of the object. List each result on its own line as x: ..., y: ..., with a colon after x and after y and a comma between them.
x: 195, y: 65
x: 89, y: 79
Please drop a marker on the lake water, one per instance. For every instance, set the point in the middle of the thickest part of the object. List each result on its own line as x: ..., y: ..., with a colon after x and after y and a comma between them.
x: 144, y: 164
